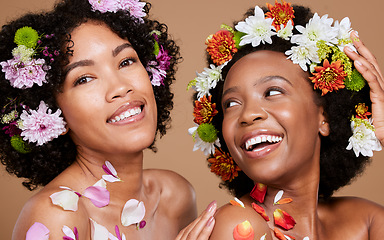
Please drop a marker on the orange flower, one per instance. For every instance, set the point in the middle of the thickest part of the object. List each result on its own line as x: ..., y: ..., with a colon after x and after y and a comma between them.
x: 221, y: 46
x: 283, y: 219
x: 362, y: 111
x: 281, y: 13
x: 204, y: 110
x: 243, y: 231
x: 258, y: 192
x: 260, y: 210
x: 223, y: 165
x: 329, y: 77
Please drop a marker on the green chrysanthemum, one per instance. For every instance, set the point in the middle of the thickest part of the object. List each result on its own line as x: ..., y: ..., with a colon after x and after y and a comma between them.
x: 355, y: 82
x: 19, y: 145
x: 207, y: 132
x: 7, y: 118
x: 237, y: 37
x: 26, y: 36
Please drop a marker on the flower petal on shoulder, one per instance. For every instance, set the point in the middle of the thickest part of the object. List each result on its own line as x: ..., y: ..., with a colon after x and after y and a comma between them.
x: 37, y: 231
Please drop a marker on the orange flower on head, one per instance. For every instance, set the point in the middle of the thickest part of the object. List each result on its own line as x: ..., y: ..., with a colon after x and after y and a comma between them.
x: 329, y: 77
x: 283, y: 219
x: 281, y: 13
x: 204, y: 110
x: 243, y: 231
x: 223, y: 165
x: 362, y: 111
x: 221, y: 46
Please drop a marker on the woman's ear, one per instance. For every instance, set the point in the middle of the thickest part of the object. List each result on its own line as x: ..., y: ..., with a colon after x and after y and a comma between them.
x: 66, y: 130
x: 323, y: 124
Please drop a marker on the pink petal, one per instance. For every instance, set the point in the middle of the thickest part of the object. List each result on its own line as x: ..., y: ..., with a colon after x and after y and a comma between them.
x: 37, y: 231
x: 66, y: 199
x: 112, y: 170
x: 68, y: 232
x: 133, y: 212
x: 98, y: 232
x: 98, y: 195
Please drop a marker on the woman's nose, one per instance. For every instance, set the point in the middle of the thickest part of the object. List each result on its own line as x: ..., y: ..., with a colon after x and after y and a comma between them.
x: 118, y: 86
x: 251, y: 113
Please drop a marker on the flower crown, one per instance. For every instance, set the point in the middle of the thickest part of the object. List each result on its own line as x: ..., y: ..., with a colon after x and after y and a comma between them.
x: 319, y: 46
x: 25, y: 69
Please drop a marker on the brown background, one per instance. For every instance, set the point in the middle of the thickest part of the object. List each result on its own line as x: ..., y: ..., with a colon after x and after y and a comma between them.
x: 190, y: 22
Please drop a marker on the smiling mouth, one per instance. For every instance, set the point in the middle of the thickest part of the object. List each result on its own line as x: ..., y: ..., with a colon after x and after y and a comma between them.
x: 126, y: 114
x: 261, y: 142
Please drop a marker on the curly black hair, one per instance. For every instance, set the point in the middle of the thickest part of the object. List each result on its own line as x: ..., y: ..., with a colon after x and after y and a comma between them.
x: 338, y: 166
x: 43, y: 163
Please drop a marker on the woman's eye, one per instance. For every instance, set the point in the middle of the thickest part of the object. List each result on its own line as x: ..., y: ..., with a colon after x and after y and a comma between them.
x: 229, y: 104
x: 126, y: 62
x: 82, y: 80
x: 273, y: 92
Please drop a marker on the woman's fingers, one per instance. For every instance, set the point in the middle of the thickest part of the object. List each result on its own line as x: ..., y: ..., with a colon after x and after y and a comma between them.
x: 202, y: 227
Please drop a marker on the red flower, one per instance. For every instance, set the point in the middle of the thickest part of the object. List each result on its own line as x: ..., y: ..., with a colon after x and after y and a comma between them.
x: 362, y: 111
x: 223, y: 165
x: 258, y: 192
x: 221, y: 46
x: 281, y: 13
x: 283, y: 219
x: 204, y: 110
x: 279, y: 234
x: 329, y: 77
x: 260, y: 210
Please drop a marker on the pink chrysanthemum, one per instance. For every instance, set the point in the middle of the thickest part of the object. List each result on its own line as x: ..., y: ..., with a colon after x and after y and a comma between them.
x: 163, y: 59
x: 24, y: 74
x: 41, y: 126
x: 134, y: 7
x: 104, y: 5
x: 158, y: 74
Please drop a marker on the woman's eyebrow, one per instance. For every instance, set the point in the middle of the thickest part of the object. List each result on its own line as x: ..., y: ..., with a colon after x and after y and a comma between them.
x: 74, y: 65
x: 120, y: 48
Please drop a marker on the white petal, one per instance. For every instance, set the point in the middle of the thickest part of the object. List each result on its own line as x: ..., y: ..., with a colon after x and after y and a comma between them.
x: 66, y: 199
x: 133, y: 212
x: 263, y: 237
x: 68, y: 232
x: 306, y: 238
x: 100, y: 183
x: 278, y: 196
x: 98, y: 232
x: 239, y: 202
x: 110, y: 178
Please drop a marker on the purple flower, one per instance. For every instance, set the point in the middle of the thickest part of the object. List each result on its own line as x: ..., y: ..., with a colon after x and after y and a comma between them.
x: 163, y: 59
x: 158, y: 74
x: 25, y: 74
x: 134, y: 7
x: 42, y: 126
x: 12, y: 129
x: 104, y: 5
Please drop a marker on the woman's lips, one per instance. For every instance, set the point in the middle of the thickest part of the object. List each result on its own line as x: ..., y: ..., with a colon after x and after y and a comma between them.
x: 128, y: 112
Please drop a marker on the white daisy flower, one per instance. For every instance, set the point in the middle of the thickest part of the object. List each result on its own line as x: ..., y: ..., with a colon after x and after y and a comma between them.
x: 257, y: 28
x: 363, y: 140
x: 303, y: 55
x: 315, y: 30
x: 207, y: 80
x: 285, y: 32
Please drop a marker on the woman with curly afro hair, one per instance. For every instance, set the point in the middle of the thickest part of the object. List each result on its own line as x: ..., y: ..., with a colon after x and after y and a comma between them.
x: 284, y: 113
x: 85, y: 88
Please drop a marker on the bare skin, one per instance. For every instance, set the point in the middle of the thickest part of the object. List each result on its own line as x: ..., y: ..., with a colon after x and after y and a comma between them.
x: 105, y: 78
x: 256, y: 101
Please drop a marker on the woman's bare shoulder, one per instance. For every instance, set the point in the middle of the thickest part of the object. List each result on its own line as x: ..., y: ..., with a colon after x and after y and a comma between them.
x: 40, y: 209
x: 351, y: 213
x: 228, y: 217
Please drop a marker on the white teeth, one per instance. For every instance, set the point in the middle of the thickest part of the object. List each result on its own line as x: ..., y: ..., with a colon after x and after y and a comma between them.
x: 260, y: 139
x: 126, y: 114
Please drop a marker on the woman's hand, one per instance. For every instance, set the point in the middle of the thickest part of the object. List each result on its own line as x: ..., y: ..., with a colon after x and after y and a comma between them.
x: 202, y: 227
x: 366, y: 63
